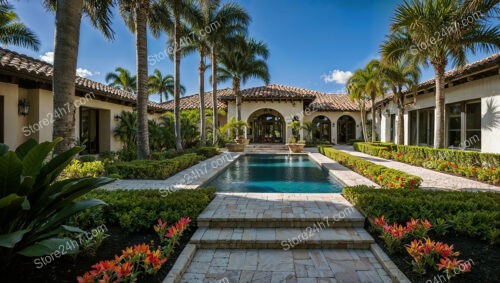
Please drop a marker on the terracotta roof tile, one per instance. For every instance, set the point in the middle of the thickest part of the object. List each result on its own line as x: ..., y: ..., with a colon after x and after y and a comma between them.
x: 193, y: 101
x: 333, y: 102
x: 13, y: 61
x: 273, y: 91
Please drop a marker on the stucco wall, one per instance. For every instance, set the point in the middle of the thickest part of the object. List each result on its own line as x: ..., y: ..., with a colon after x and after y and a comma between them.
x: 487, y: 90
x: 334, y: 117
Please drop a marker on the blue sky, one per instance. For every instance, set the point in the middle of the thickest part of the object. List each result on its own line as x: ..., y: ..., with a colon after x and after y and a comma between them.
x: 313, y: 43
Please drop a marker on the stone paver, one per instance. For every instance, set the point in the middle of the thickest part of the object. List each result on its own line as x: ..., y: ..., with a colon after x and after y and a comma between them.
x: 430, y: 179
x: 190, y: 178
x: 298, y: 265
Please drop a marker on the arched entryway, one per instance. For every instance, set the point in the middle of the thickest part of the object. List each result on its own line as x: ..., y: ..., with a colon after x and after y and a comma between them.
x: 322, y: 129
x: 346, y: 129
x: 266, y: 126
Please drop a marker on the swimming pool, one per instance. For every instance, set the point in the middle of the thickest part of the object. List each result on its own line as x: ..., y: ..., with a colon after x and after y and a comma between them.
x: 275, y: 174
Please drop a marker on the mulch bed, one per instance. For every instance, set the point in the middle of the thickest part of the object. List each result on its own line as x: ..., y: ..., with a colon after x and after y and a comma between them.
x: 66, y: 269
x: 485, y: 260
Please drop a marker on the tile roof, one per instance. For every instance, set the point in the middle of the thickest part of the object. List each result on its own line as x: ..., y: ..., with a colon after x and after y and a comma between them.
x: 273, y: 91
x: 193, y: 101
x: 20, y: 63
x: 333, y: 102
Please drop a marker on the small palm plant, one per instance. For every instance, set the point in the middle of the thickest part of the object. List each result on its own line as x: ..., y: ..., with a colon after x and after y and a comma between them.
x: 34, y: 205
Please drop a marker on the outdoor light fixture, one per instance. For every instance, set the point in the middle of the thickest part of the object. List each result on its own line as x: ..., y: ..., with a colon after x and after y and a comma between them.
x: 333, y: 124
x: 387, y: 111
x: 23, y: 107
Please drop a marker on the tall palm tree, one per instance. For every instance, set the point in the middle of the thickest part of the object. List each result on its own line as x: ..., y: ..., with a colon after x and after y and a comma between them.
x: 401, y: 76
x: 14, y: 32
x: 369, y: 83
x: 357, y: 93
x: 242, y: 61
x: 432, y: 32
x: 162, y: 85
x: 232, y: 20
x: 138, y: 15
x: 122, y: 79
x: 67, y: 37
x: 179, y: 13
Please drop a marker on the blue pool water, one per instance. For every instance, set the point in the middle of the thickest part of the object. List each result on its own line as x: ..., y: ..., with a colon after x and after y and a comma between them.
x: 275, y: 174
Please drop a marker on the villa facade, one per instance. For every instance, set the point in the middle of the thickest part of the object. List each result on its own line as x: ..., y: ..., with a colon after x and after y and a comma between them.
x: 472, y: 97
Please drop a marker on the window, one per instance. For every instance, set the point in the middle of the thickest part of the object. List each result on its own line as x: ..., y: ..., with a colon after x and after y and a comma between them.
x: 89, y: 130
x: 454, y: 125
x: 322, y: 128
x: 426, y: 127
x: 413, y: 127
x: 473, y: 125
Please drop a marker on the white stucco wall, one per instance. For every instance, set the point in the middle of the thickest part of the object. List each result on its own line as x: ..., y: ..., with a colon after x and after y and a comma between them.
x: 486, y: 90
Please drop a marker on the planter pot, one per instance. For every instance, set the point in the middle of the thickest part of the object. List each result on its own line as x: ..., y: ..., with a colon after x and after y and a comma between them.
x: 296, y: 148
x: 242, y: 141
x: 235, y: 147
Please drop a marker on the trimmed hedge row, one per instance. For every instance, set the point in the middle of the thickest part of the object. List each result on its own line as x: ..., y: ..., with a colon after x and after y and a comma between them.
x: 153, y: 169
x: 136, y: 210
x: 469, y: 213
x: 385, y: 177
x: 482, y: 166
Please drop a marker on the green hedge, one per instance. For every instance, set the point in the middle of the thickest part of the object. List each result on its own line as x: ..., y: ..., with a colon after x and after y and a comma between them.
x: 469, y: 213
x: 482, y: 166
x: 206, y: 151
x: 385, y: 177
x: 138, y: 210
x: 153, y: 169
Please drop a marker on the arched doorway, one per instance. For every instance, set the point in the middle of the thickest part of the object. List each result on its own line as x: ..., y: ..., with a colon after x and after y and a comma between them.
x: 346, y: 129
x: 322, y: 129
x: 266, y: 126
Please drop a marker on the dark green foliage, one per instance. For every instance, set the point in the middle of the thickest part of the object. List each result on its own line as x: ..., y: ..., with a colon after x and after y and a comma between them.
x: 138, y: 210
x: 469, y: 213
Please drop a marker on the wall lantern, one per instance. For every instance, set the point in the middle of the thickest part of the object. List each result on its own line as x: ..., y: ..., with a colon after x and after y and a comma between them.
x: 333, y: 124
x: 23, y: 107
x: 387, y: 111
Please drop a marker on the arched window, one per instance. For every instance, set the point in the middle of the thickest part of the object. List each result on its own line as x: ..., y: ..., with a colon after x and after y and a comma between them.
x: 322, y: 128
x: 267, y: 126
x: 346, y: 129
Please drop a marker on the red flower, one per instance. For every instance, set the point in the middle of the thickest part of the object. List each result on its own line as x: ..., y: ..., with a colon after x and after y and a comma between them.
x: 412, y: 181
x: 380, y: 221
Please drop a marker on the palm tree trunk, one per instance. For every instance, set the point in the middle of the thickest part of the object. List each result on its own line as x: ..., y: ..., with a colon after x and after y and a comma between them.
x: 363, y: 121
x: 67, y: 36
x: 214, y: 97
x: 177, y: 85
x: 374, y: 136
x: 400, y: 124
x: 237, y: 93
x: 201, y: 71
x: 142, y: 83
x: 161, y: 96
x: 439, y: 112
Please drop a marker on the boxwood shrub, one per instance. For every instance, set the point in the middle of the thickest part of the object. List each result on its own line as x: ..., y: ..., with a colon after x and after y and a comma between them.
x: 385, y: 177
x: 138, y: 210
x: 476, y: 214
x: 153, y: 169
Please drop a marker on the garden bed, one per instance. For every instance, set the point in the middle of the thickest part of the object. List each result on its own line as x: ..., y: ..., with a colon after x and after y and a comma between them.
x: 468, y: 221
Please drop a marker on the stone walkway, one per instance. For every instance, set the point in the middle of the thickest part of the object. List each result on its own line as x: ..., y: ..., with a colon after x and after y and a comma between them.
x: 269, y: 237
x: 430, y: 179
x: 190, y: 178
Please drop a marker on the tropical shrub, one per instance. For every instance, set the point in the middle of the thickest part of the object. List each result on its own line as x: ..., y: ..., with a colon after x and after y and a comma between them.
x: 87, y: 158
x: 135, y: 210
x: 78, y: 169
x: 471, y: 164
x: 385, y: 177
x: 153, y: 169
x: 128, y: 152
x: 476, y: 214
x: 34, y: 205
x: 207, y: 151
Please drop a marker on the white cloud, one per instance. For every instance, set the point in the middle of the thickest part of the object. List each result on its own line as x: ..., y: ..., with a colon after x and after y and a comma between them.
x: 48, y: 57
x: 83, y: 72
x: 337, y: 76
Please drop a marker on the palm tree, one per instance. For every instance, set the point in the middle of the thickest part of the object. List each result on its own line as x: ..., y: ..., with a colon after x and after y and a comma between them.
x: 368, y: 83
x: 138, y: 14
x: 415, y: 27
x: 178, y: 11
x: 162, y: 85
x: 122, y: 79
x: 356, y: 93
x: 243, y: 60
x: 67, y: 37
x: 14, y: 32
x: 232, y: 20
x: 401, y: 76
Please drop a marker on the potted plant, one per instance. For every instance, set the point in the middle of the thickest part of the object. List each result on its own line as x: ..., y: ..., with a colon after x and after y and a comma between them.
x: 235, y: 129
x: 294, y: 145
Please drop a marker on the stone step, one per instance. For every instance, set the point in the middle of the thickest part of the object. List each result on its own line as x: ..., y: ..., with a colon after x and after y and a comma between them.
x: 214, y: 222
x: 282, y: 238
